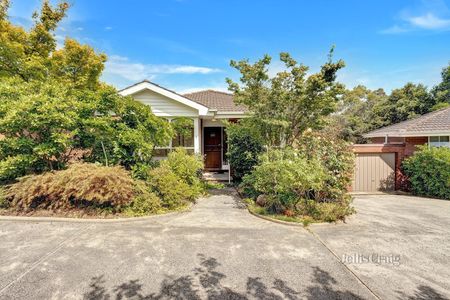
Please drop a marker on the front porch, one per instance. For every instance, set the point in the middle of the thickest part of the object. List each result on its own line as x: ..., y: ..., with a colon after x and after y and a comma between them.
x: 214, y: 144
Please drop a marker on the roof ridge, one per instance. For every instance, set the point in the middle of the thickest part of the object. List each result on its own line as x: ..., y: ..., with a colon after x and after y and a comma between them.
x: 209, y: 90
x: 425, y: 117
x: 411, y: 124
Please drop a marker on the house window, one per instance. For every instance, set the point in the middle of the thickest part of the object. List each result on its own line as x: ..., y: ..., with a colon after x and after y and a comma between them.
x: 439, y: 141
x: 184, y: 137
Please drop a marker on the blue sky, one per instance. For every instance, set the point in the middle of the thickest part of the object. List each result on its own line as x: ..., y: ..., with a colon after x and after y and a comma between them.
x: 186, y: 45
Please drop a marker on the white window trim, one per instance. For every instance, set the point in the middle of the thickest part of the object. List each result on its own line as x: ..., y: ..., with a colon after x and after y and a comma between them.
x: 196, y: 147
x: 439, y: 141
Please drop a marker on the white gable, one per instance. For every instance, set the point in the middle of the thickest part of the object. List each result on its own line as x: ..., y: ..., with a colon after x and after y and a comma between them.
x: 163, y: 106
x: 164, y: 103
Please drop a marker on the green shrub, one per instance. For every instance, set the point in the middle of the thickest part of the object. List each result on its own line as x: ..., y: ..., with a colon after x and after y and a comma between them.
x: 428, y: 171
x: 324, y: 211
x: 245, y: 145
x: 172, y: 190
x: 4, y: 203
x: 14, y: 166
x: 285, y: 176
x: 44, y: 123
x: 337, y: 158
x: 79, y: 186
x: 188, y: 167
x: 309, y: 181
x: 145, y: 201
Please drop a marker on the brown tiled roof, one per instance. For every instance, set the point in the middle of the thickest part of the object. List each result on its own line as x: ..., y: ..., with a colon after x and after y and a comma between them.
x: 221, y: 101
x: 435, y: 122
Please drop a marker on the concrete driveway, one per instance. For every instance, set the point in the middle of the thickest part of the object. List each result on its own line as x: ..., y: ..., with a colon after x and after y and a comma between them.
x: 398, y: 245
x: 219, y: 251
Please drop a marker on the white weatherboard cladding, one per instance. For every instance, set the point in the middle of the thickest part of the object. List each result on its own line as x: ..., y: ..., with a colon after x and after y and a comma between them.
x: 163, y: 106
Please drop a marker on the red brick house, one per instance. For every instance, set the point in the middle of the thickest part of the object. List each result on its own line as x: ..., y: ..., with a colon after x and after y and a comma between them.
x: 378, y: 164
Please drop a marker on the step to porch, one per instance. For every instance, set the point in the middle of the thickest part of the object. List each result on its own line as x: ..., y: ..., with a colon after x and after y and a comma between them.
x: 217, y: 176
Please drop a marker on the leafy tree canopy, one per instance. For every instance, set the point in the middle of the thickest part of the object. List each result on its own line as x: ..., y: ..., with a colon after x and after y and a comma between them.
x: 32, y: 55
x: 441, y: 92
x: 284, y: 106
x: 53, y: 107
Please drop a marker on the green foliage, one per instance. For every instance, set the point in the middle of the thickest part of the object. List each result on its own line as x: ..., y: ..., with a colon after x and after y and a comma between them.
x: 284, y: 106
x: 32, y: 55
x: 45, y: 123
x: 285, y: 176
x: 120, y: 130
x: 187, y: 167
x: 144, y: 203
x: 428, y: 171
x: 177, y: 180
x: 4, y: 203
x: 53, y: 105
x: 325, y: 211
x: 80, y: 185
x: 77, y: 65
x: 244, y: 147
x: 309, y: 181
x: 403, y: 104
x: 362, y: 110
x: 337, y: 159
x: 172, y: 190
x: 441, y: 92
x: 183, y: 127
x: 356, y: 114
x: 12, y: 167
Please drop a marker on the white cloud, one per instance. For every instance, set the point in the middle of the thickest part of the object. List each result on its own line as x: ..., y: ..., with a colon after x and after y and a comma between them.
x: 429, y: 21
x: 394, y: 30
x: 426, y: 21
x: 121, y: 66
x: 108, y: 28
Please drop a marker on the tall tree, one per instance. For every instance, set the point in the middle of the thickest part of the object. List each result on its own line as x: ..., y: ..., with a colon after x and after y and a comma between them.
x: 284, y: 106
x: 441, y: 92
x: 403, y: 104
x: 53, y: 104
x: 355, y: 114
x: 32, y: 55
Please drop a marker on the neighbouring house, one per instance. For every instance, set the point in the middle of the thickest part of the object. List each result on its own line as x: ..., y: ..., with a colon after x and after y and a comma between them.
x: 208, y: 110
x: 378, y: 164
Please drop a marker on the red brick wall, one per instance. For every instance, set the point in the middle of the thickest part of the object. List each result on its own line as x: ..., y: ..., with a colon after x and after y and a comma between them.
x: 412, y: 142
x: 402, y: 147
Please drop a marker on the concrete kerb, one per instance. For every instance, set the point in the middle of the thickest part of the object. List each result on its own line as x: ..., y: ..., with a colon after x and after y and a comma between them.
x: 93, y: 220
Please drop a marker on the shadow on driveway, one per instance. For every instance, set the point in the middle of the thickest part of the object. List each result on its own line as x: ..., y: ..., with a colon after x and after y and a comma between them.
x: 205, y: 282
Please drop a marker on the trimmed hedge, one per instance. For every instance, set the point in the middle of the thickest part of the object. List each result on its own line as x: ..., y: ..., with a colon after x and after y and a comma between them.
x: 428, y: 171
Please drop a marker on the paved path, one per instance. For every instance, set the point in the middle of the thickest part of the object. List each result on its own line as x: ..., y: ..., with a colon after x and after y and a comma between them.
x: 216, y: 251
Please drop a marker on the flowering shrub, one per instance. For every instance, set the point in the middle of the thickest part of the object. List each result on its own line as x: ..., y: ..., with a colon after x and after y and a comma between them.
x: 310, y: 180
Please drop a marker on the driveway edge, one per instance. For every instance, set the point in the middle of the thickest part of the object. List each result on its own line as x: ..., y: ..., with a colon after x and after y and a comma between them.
x: 275, y: 220
x: 93, y: 220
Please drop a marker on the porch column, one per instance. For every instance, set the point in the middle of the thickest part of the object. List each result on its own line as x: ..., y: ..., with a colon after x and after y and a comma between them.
x: 197, y: 135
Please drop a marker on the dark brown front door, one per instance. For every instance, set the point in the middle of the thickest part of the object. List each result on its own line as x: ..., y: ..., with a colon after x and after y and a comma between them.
x: 213, y: 147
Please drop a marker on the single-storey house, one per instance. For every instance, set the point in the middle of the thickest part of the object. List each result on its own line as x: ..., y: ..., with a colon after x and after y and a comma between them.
x: 378, y: 164
x: 208, y: 110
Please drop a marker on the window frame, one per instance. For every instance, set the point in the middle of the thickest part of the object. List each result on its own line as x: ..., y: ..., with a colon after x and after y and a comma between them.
x: 439, y: 142
x: 170, y: 146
